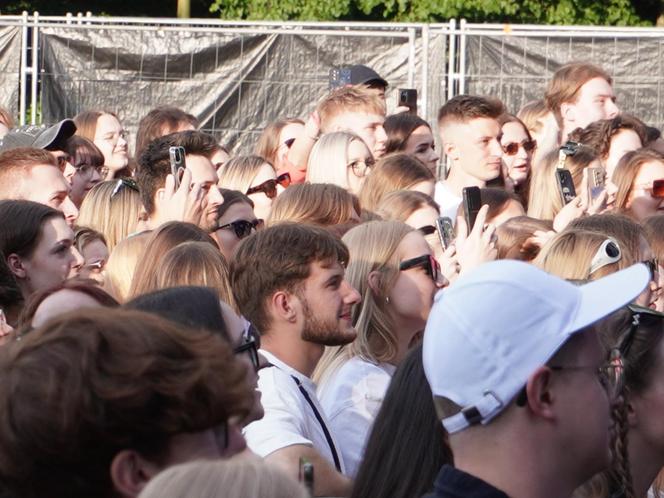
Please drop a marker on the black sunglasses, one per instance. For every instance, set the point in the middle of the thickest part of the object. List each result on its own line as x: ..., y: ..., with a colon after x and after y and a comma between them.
x: 241, y: 228
x: 269, y: 187
x: 427, y: 261
x: 251, y: 345
x: 427, y: 229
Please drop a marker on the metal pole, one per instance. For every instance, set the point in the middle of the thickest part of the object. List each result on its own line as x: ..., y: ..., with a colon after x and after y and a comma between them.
x: 452, y: 58
x: 35, y: 70
x: 184, y: 9
x: 462, y: 58
x: 23, y: 97
x: 425, y: 71
x: 411, y: 58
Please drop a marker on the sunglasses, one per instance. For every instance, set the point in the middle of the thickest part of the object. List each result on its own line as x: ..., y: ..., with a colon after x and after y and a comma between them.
x: 609, y: 252
x: 427, y: 229
x: 124, y: 182
x: 361, y: 167
x: 241, y: 228
x: 569, y: 149
x: 251, y: 344
x: 289, y: 143
x: 427, y: 261
x: 512, y: 148
x: 655, y: 190
x: 269, y: 187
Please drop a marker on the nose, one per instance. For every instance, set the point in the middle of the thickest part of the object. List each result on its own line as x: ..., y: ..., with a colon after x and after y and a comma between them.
x: 96, y: 177
x: 77, y: 262
x: 381, y: 135
x: 214, y: 197
x: 611, y: 109
x: 496, y: 148
x: 69, y: 210
x: 351, y: 295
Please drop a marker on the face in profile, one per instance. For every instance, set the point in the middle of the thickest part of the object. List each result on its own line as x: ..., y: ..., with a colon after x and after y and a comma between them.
x: 237, y: 223
x: 421, y: 144
x: 359, y: 164
x: 204, y: 174
x: 595, y: 101
x: 621, y: 143
x: 643, y: 200
x: 264, y: 194
x: 369, y: 127
x: 475, y: 147
x: 48, y: 186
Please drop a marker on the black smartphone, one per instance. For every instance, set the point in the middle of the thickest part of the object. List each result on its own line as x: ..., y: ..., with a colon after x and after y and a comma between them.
x: 407, y: 97
x: 565, y: 185
x: 445, y: 229
x: 307, y: 475
x: 178, y: 165
x: 472, y: 202
x: 339, y: 76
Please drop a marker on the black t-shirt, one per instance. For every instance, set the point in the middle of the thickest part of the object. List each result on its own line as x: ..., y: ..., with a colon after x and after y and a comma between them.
x: 454, y: 483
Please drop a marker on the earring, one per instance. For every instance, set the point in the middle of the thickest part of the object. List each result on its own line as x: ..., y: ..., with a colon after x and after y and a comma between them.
x: 387, y: 299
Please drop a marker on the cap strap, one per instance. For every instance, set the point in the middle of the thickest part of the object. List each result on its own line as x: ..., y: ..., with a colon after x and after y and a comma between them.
x: 471, y: 415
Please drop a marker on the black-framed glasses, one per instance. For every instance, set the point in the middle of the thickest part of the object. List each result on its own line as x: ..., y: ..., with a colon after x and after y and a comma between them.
x: 426, y: 261
x: 269, y: 187
x: 653, y: 267
x: 512, y: 148
x: 427, y: 229
x: 608, y: 253
x: 251, y: 343
x: 569, y: 149
x: 124, y: 182
x: 241, y: 228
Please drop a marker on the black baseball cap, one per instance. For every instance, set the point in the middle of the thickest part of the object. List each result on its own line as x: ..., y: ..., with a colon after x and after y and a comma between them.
x: 39, y: 137
x: 363, y: 75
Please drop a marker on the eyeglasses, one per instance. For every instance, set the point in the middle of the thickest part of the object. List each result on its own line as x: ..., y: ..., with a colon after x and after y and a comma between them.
x: 124, y: 182
x: 512, y: 148
x: 251, y: 343
x: 241, y: 228
x: 653, y: 267
x: 610, y: 375
x: 87, y: 170
x: 269, y: 187
x: 361, y: 167
x: 427, y: 229
x: 427, y: 261
x: 569, y: 149
x: 609, y: 252
x: 655, y: 190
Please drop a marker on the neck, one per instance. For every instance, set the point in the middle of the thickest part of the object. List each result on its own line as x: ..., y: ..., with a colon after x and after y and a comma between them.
x: 288, y: 347
x: 405, y: 333
x: 519, y: 470
x: 458, y: 179
x: 644, y: 463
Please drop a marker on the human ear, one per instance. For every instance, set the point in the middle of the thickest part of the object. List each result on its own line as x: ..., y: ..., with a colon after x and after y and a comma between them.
x: 15, y: 264
x: 374, y: 281
x: 285, y: 305
x: 631, y: 413
x: 541, y: 398
x: 568, y: 112
x: 159, y: 194
x: 451, y: 151
x: 130, y: 472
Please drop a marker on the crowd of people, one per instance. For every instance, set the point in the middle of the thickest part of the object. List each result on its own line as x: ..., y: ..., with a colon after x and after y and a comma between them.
x: 344, y: 310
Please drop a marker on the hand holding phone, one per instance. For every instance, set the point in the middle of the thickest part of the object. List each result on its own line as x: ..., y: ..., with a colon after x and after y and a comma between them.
x: 407, y: 97
x: 565, y: 185
x: 472, y: 202
x: 445, y: 229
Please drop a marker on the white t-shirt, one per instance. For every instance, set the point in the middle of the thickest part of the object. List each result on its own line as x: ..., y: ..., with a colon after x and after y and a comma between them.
x: 351, y: 398
x: 447, y: 200
x: 289, y: 418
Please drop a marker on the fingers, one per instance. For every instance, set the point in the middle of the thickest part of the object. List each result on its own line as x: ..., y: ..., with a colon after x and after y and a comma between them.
x: 185, y: 181
x: 480, y: 220
x: 461, y: 230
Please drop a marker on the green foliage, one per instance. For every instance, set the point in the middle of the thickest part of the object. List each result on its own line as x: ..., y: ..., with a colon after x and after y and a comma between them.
x: 597, y: 12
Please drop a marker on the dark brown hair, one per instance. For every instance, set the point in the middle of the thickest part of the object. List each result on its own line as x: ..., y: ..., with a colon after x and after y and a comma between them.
x: 398, y: 128
x: 83, y: 152
x: 279, y: 258
x: 159, y: 122
x: 232, y: 197
x: 598, y: 134
x: 22, y: 223
x: 107, y: 380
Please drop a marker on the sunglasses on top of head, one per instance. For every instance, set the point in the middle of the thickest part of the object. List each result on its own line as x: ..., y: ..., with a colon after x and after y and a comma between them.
x: 269, y: 187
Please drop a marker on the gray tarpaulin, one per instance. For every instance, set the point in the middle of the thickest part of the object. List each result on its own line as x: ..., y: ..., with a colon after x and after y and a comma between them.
x: 235, y: 83
x: 10, y: 61
x: 517, y: 69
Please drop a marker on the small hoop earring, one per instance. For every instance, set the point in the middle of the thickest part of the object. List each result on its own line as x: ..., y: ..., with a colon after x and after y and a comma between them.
x: 387, y: 299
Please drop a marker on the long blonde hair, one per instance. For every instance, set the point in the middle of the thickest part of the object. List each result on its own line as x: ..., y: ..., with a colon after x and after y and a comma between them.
x: 373, y: 248
x: 569, y: 255
x: 121, y: 265
x: 239, y: 172
x: 195, y: 263
x: 115, y: 216
x: 236, y: 478
x: 328, y: 160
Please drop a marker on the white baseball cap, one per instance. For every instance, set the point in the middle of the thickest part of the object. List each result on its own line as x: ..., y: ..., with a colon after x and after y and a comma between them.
x: 489, y: 331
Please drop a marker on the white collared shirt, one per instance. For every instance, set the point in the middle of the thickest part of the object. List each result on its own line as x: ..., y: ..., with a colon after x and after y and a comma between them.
x: 447, y: 200
x: 289, y: 418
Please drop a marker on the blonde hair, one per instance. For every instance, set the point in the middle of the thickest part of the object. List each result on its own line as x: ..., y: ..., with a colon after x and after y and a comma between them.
x: 235, y: 478
x: 348, y: 99
x: 569, y: 255
x: 399, y: 205
x: 328, y: 160
x: 319, y: 204
x: 163, y: 239
x: 122, y: 263
x: 393, y: 172
x: 373, y: 248
x: 239, y: 172
x: 546, y: 202
x: 195, y: 263
x: 114, y: 216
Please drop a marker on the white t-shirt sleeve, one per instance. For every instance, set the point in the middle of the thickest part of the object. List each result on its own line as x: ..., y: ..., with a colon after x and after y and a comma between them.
x: 283, y: 424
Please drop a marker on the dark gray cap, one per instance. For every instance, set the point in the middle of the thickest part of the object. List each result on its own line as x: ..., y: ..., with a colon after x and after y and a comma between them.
x: 39, y: 137
x: 363, y: 75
